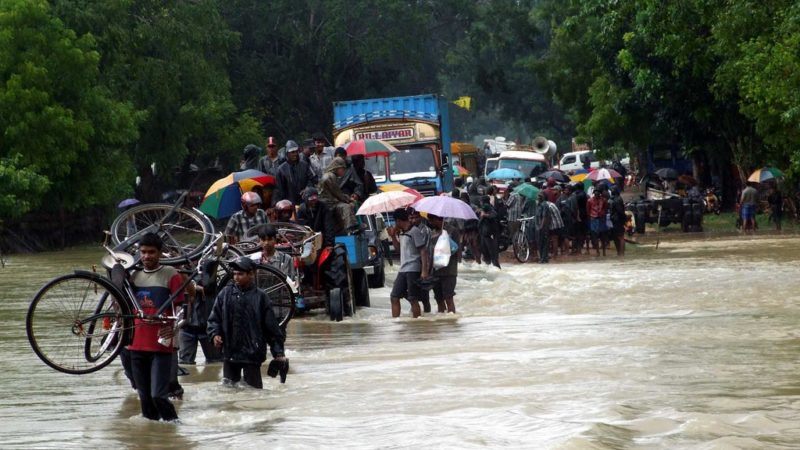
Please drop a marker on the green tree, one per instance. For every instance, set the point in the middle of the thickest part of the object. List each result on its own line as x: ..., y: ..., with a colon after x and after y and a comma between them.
x: 63, y: 131
x: 171, y: 60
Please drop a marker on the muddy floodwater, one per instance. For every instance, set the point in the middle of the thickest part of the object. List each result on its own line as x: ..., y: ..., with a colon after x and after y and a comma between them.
x: 694, y: 345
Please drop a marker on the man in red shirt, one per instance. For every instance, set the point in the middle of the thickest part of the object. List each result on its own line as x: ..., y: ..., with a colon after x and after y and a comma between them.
x: 152, y: 349
x: 596, y: 209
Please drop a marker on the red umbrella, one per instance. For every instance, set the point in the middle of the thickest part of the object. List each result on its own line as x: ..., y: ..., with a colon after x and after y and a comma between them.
x: 369, y: 147
x: 603, y: 174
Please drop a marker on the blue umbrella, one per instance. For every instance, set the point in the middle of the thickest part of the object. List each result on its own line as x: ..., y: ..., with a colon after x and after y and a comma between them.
x: 505, y: 174
x: 128, y: 202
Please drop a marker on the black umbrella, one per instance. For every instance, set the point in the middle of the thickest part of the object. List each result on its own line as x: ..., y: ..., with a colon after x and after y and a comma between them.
x: 667, y: 173
x: 555, y: 174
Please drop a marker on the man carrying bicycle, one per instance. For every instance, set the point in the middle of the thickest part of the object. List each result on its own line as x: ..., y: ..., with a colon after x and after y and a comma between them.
x: 151, y: 352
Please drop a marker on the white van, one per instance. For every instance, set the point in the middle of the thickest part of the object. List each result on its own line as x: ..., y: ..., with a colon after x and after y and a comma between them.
x: 576, y: 160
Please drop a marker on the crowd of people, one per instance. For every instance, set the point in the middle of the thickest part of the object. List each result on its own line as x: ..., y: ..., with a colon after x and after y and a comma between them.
x: 316, y: 185
x: 562, y: 219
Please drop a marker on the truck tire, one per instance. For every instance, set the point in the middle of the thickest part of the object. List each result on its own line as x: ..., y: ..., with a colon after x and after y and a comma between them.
x: 336, y: 304
x: 377, y: 279
x: 360, y: 288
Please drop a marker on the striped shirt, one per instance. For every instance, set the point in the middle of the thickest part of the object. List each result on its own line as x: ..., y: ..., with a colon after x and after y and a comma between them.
x: 240, y: 222
x: 555, y: 217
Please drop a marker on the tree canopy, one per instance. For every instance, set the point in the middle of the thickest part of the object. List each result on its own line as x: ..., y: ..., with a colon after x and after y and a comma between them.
x: 94, y: 92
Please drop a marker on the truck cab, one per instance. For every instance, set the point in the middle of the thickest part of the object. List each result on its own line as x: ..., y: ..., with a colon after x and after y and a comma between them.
x: 418, y: 126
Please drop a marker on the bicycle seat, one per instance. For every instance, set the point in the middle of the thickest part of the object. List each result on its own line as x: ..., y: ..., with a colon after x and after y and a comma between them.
x: 126, y: 260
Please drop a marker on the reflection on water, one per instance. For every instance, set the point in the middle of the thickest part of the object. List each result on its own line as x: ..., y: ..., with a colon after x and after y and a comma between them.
x: 693, y: 345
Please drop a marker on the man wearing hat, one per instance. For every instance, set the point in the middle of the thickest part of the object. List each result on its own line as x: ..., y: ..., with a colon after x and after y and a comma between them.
x: 242, y: 324
x: 293, y: 176
x: 332, y: 196
x: 272, y: 160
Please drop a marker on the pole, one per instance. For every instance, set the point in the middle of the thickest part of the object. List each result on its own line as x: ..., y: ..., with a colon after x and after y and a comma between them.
x: 658, y: 230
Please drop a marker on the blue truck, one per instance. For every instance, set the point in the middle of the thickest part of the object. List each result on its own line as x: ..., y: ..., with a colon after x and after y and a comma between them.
x: 417, y: 125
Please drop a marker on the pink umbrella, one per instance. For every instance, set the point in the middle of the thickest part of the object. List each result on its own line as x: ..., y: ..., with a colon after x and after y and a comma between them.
x: 386, y: 202
x: 443, y: 206
x: 603, y: 174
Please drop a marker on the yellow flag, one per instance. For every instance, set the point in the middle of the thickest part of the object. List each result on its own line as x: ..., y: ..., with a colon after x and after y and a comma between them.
x: 464, y: 102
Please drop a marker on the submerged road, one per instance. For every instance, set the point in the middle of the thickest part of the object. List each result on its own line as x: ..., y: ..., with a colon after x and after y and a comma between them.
x: 691, y: 346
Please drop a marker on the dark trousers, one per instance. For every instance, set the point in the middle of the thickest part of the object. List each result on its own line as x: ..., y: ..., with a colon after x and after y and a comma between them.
x: 188, y: 350
x: 125, y: 359
x: 489, y: 249
x: 252, y: 373
x: 152, y: 373
x: 543, y: 241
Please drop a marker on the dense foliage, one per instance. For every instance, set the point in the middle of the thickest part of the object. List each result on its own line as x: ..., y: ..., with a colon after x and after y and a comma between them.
x: 94, y: 92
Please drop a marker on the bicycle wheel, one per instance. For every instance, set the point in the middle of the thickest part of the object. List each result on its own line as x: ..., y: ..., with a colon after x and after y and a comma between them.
x: 76, y: 324
x: 522, y: 251
x: 274, y: 283
x: 102, y: 333
x: 185, y: 233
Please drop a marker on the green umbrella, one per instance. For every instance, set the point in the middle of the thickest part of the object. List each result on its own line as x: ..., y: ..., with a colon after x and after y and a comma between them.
x: 527, y: 190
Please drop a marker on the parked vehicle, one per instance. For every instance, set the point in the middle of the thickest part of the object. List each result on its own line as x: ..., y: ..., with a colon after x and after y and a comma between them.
x: 663, y: 208
x: 417, y: 125
x: 466, y: 155
x: 578, y: 160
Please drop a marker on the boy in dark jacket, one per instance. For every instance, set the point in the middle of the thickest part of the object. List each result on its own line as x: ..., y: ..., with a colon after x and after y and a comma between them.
x: 242, y: 323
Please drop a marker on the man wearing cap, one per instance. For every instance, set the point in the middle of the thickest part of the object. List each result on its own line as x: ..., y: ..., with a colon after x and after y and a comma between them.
x: 271, y: 161
x: 414, y: 261
x: 250, y: 216
x: 332, y: 196
x: 293, y: 176
x: 242, y: 324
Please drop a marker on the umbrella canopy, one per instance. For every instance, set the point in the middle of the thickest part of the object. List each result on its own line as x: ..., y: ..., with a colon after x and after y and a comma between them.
x: 554, y: 174
x: 223, y: 198
x: 460, y: 171
x: 527, y: 190
x: 128, y: 202
x: 578, y: 177
x: 386, y: 202
x: 603, y: 174
x: 394, y: 187
x: 579, y: 171
x: 764, y: 174
x: 505, y: 174
x: 667, y: 173
x: 369, y: 147
x: 444, y: 206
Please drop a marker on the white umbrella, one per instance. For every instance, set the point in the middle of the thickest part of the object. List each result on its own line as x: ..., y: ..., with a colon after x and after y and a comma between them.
x: 386, y: 202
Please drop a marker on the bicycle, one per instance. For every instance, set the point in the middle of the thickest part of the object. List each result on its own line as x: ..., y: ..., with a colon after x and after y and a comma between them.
x: 522, y: 248
x: 78, y: 323
x: 185, y: 232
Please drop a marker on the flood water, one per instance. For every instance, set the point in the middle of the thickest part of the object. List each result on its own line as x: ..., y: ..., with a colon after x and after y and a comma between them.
x: 694, y: 345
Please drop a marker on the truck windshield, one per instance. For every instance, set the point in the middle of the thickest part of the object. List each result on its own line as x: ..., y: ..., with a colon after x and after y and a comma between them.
x: 491, y: 165
x: 529, y: 168
x: 377, y: 167
x: 412, y: 160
